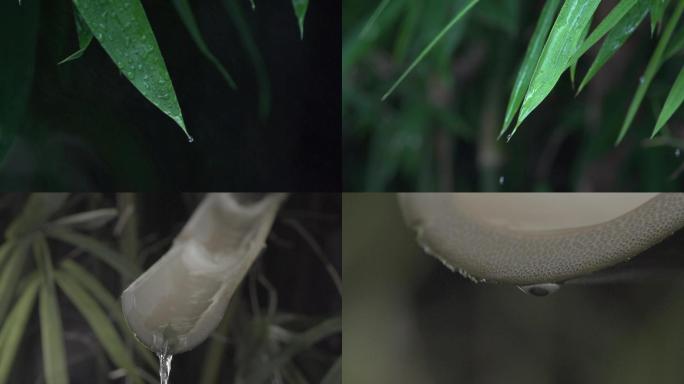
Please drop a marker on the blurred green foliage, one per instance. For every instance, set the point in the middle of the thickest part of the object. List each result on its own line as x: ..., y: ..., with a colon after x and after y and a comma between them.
x: 439, y: 130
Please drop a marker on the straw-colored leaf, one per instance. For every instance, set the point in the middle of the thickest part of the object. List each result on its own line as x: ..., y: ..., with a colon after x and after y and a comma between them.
x: 14, y: 326
x: 9, y: 276
x: 95, y: 248
x: 672, y: 103
x: 298, y: 343
x: 51, y: 335
x: 90, y: 219
x: 90, y: 283
x: 37, y: 210
x: 100, y: 324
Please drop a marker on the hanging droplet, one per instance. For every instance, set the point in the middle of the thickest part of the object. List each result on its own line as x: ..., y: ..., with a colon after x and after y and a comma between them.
x: 509, y: 137
x: 190, y: 139
x: 539, y: 290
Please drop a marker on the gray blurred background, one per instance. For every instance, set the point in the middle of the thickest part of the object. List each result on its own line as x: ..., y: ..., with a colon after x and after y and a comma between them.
x: 408, y: 319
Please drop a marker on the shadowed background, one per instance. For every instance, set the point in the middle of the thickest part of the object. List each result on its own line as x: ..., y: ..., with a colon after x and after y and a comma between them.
x: 408, y: 319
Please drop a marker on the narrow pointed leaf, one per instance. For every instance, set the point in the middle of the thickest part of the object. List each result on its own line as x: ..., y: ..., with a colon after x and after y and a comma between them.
x: 298, y: 344
x: 652, y: 68
x: 90, y: 219
x: 300, y: 8
x: 5, y: 252
x: 606, y: 25
x: 657, y: 12
x: 672, y: 103
x: 188, y: 18
x: 534, y: 49
x: 37, y: 210
x: 51, y: 336
x: 95, y: 248
x: 573, y: 65
x: 9, y: 276
x: 615, y: 39
x: 676, y: 44
x: 374, y: 17
x: 90, y: 283
x: 559, y: 48
x: 13, y: 327
x: 85, y: 37
x: 123, y: 30
x: 431, y: 45
x: 100, y: 324
x: 334, y: 374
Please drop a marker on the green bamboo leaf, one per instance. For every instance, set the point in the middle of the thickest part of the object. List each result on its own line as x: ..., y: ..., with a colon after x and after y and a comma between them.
x: 529, y: 63
x: 300, y: 8
x: 374, y: 17
x: 54, y: 353
x: 334, y: 375
x: 123, y: 30
x: 657, y: 12
x: 652, y: 68
x: 573, y: 65
x: 37, y: 210
x: 99, y: 323
x: 672, y: 103
x: 85, y: 37
x: 185, y: 13
x: 605, y: 26
x: 615, y: 39
x: 91, y: 284
x: 13, y: 328
x: 557, y: 53
x: 298, y: 344
x: 95, y: 248
x: 431, y: 45
x: 20, y: 27
x: 9, y: 276
x: 5, y: 251
x: 238, y: 19
x: 676, y: 44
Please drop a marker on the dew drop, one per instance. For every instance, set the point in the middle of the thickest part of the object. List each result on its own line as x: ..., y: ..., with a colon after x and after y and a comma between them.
x: 641, y: 80
x: 509, y: 137
x: 539, y: 290
x: 190, y: 139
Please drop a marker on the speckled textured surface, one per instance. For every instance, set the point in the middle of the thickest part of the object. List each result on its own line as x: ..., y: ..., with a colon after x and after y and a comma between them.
x: 503, y: 255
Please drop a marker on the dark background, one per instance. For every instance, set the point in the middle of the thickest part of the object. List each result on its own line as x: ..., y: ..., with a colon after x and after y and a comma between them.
x: 87, y: 128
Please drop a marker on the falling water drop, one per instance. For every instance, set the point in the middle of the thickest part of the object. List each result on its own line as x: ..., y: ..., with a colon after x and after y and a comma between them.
x: 164, y: 367
x: 539, y: 290
x: 502, y: 180
x: 678, y: 152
